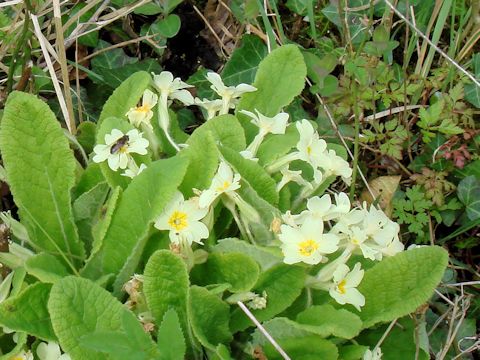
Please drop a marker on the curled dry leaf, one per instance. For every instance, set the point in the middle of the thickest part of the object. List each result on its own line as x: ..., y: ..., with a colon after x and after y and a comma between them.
x: 383, y: 189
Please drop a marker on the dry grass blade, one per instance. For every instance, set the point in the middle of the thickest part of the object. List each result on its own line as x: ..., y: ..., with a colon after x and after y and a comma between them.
x: 10, y: 3
x: 63, y: 64
x: 51, y: 70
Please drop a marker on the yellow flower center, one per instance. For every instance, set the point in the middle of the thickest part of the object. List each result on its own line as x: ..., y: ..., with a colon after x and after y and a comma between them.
x: 178, y: 220
x: 341, y: 286
x: 307, y: 247
x: 309, y: 150
x: 225, y: 186
x: 143, y: 108
x: 355, y: 241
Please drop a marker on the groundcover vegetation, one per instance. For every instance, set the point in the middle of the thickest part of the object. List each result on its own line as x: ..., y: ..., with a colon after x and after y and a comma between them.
x: 239, y: 180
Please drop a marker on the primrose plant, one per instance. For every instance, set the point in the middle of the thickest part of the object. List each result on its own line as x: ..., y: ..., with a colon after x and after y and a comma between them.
x: 164, y: 244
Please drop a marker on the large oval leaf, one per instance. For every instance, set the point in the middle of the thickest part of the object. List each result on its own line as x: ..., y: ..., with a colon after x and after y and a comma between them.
x: 166, y: 286
x: 41, y: 173
x: 398, y: 285
x: 79, y: 307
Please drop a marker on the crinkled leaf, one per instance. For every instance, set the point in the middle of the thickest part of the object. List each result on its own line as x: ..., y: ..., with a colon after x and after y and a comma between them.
x: 79, y: 307
x: 166, y: 286
x: 283, y: 284
x: 45, y: 267
x: 275, y: 146
x: 170, y: 339
x: 41, y: 172
x: 400, y: 284
x: 325, y: 321
x: 209, y: 317
x: 90, y: 177
x: 253, y: 174
x: 236, y: 269
x: 28, y: 312
x: 311, y: 347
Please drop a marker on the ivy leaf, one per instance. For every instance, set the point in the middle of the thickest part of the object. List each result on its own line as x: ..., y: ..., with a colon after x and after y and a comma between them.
x: 171, y: 341
x: 283, y: 284
x: 325, y: 321
x: 115, y: 77
x: 243, y: 63
x: 468, y: 191
x: 28, y: 312
x: 236, y: 269
x: 166, y: 286
x: 41, y: 172
x: 79, y: 307
x: 209, y: 317
x: 126, y: 96
x: 399, y: 284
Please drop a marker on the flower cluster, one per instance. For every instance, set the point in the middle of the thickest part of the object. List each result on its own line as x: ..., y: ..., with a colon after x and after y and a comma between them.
x: 365, y: 230
x: 328, y: 231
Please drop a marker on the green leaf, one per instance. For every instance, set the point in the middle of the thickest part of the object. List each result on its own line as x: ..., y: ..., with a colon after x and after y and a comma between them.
x: 209, y: 317
x: 225, y: 129
x: 126, y: 96
x: 133, y: 343
x: 283, y: 284
x: 236, y: 269
x: 468, y: 191
x: 79, y: 307
x: 243, y: 63
x: 90, y: 177
x: 311, y: 347
x: 28, y: 312
x: 253, y: 174
x: 145, y: 198
x: 472, y: 94
x: 45, y: 267
x: 280, y: 77
x: 166, y: 286
x: 400, y: 284
x: 262, y: 255
x: 203, y: 162
x: 325, y: 321
x: 171, y: 341
x: 167, y: 27
x: 110, y: 59
x: 86, y: 135
x: 86, y: 211
x: 41, y: 172
x: 114, y: 77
